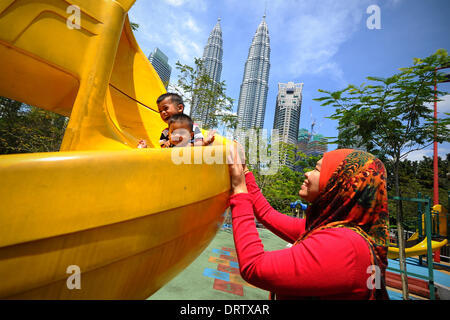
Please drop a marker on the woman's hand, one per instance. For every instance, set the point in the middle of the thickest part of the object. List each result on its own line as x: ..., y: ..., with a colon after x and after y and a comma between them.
x: 236, y: 164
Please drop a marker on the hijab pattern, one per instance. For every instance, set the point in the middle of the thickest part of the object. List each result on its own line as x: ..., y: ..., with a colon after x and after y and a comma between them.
x: 355, y: 197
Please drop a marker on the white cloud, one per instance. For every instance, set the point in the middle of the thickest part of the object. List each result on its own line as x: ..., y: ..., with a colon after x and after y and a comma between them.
x: 444, y: 105
x: 335, y: 72
x: 197, y: 4
x: 418, y: 155
x: 172, y: 26
x: 175, y: 3
x: 186, y: 50
x: 313, y: 32
x: 191, y: 24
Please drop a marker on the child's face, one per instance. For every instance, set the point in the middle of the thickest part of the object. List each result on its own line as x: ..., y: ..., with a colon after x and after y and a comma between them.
x: 180, y: 134
x: 167, y: 109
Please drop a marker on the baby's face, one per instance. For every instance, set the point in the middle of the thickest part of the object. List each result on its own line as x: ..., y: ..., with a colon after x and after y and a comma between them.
x: 180, y: 134
x: 167, y: 109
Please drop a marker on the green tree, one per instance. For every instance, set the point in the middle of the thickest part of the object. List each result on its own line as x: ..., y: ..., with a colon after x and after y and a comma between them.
x: 26, y: 129
x: 417, y: 176
x: 282, y: 187
x: 391, y: 116
x: 197, y: 88
x: 134, y: 26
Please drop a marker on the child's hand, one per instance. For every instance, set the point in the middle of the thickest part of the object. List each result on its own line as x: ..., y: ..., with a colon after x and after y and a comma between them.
x: 209, y: 138
x: 142, y: 144
x: 166, y: 144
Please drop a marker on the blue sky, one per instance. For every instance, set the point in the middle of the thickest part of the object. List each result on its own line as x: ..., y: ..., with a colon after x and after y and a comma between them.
x: 323, y: 43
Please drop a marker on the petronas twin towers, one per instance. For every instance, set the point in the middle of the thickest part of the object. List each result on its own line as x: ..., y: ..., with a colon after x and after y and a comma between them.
x: 254, y: 87
x: 212, y: 66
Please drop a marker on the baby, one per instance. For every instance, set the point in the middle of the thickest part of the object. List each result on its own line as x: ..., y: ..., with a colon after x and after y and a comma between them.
x: 181, y: 133
x: 170, y: 104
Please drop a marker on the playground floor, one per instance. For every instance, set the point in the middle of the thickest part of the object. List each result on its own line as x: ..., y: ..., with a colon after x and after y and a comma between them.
x: 441, y: 277
x: 214, y: 275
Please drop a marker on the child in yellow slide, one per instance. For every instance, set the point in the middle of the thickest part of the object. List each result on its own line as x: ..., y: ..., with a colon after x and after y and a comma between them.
x: 170, y: 104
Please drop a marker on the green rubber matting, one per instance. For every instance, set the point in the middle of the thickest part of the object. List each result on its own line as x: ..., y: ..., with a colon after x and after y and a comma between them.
x: 214, y: 275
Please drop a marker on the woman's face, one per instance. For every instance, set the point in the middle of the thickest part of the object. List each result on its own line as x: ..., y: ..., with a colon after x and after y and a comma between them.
x: 310, y: 187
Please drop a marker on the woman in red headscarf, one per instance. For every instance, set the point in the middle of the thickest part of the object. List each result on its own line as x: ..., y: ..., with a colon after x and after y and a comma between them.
x: 339, y: 251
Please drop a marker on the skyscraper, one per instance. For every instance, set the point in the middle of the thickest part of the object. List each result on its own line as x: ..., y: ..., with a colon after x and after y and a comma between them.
x: 212, y: 66
x: 317, y: 146
x: 287, y: 117
x: 303, y: 140
x: 310, y: 144
x: 287, y: 111
x: 159, y: 61
x: 254, y: 87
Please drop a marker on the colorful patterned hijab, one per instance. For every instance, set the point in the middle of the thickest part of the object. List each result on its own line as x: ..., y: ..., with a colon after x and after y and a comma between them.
x: 353, y: 195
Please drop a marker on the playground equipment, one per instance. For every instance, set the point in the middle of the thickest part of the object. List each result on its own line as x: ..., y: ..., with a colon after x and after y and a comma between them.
x: 427, y: 246
x: 298, y: 208
x: 128, y: 219
x: 438, y: 221
x: 298, y: 204
x: 417, y: 250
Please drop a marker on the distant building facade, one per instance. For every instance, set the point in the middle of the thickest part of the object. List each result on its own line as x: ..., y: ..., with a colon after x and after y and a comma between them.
x: 303, y: 140
x: 287, y: 111
x: 287, y: 117
x: 254, y: 87
x: 212, y: 66
x: 160, y: 62
x: 311, y: 145
x: 317, y: 145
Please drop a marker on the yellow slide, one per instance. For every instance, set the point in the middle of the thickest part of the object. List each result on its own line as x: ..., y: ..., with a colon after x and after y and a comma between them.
x: 414, y: 236
x: 421, y: 248
x: 100, y: 219
x: 417, y: 250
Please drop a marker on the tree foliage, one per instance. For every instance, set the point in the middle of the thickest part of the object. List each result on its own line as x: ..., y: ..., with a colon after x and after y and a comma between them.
x: 208, y: 96
x: 26, y: 129
x: 282, y: 188
x: 391, y: 117
x: 134, y: 26
x: 415, y: 177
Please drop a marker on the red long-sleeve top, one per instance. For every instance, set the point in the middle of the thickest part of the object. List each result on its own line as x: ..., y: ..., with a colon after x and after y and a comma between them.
x: 329, y: 264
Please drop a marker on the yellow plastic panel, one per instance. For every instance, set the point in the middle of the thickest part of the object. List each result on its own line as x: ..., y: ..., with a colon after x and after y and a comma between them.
x: 57, y: 89
x: 94, y: 208
x: 130, y: 219
x: 105, y: 255
x: 116, y: 185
